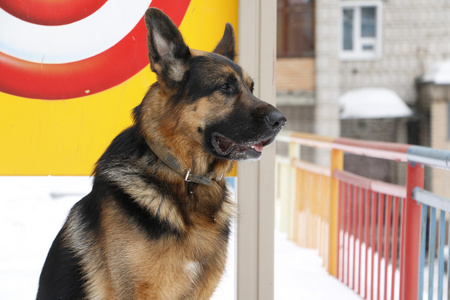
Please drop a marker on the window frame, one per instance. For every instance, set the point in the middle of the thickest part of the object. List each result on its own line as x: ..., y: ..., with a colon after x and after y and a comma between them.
x: 357, y: 53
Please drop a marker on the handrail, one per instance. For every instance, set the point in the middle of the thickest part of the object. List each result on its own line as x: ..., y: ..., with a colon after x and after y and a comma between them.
x: 371, y: 184
x: 356, y: 180
x: 312, y: 168
x: 429, y: 157
x: 389, y: 188
x: 365, y: 150
x: 431, y: 199
x: 382, y: 146
x: 312, y: 140
x: 385, y: 150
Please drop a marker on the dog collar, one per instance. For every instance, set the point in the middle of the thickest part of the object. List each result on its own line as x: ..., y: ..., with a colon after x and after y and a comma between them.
x: 166, y: 156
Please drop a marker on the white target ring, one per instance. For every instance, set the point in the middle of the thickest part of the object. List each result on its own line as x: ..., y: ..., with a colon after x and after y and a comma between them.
x: 71, y: 42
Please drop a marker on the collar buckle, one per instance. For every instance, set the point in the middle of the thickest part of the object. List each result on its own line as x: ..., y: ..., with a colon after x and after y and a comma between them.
x: 188, y: 175
x: 197, y: 178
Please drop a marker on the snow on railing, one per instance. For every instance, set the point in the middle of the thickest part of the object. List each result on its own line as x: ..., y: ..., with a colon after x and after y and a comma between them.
x: 370, y: 234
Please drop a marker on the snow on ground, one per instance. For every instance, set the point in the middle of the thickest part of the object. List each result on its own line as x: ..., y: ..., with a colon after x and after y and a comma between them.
x: 33, y: 209
x: 299, y: 275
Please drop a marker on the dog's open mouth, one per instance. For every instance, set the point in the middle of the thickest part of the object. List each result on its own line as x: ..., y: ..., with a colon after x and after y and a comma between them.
x: 224, y: 146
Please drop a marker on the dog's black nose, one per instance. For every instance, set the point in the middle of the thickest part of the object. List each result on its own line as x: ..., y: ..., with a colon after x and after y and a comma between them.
x: 275, y: 119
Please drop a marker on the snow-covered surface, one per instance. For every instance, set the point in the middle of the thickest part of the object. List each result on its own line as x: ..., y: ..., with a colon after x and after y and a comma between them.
x: 33, y: 209
x: 370, y: 103
x: 438, y: 73
x: 299, y: 275
x: 355, y: 276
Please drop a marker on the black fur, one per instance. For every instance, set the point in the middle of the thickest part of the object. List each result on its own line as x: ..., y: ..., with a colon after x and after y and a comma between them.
x: 62, y: 269
x: 154, y: 227
x: 127, y: 146
x: 61, y: 274
x: 193, y: 87
x: 227, y: 45
x: 197, y: 88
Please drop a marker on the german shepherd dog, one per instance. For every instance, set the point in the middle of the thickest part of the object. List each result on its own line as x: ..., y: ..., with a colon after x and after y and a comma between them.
x: 157, y: 221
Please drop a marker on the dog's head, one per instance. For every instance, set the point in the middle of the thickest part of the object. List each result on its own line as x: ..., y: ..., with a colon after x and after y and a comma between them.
x: 211, y: 97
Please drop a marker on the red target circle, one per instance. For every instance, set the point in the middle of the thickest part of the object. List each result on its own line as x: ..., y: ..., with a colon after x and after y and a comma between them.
x: 88, y: 76
x: 51, y: 12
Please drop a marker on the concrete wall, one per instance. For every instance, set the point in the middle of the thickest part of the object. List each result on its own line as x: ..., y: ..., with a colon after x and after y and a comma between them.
x: 439, y: 140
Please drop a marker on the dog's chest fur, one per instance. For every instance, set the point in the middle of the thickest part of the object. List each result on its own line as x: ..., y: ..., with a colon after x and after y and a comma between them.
x: 185, y: 265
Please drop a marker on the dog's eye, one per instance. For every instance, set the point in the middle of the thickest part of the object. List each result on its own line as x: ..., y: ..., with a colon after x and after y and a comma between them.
x: 225, y: 87
x: 252, y: 86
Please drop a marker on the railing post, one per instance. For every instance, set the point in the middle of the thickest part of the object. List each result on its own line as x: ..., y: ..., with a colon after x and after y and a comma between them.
x: 337, y: 163
x: 410, y: 250
x: 292, y: 221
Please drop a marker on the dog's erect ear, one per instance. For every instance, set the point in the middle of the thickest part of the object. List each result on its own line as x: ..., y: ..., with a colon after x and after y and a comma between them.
x: 167, y: 52
x: 226, y: 46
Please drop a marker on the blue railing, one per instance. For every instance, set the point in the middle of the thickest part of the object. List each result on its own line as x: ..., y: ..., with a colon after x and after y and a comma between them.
x: 434, y: 210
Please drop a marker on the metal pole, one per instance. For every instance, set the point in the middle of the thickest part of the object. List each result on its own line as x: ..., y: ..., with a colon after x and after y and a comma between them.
x: 411, y: 248
x: 337, y: 163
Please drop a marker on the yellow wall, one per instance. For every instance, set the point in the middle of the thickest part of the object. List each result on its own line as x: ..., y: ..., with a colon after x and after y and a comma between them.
x: 66, y: 137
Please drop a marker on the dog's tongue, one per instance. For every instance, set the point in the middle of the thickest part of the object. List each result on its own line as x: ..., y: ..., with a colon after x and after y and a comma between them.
x: 258, y: 147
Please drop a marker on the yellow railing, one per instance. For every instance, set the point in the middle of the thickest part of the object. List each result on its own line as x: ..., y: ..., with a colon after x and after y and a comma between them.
x: 306, y: 196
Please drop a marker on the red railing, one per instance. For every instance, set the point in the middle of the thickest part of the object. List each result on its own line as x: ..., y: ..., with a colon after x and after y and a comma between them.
x: 373, y: 211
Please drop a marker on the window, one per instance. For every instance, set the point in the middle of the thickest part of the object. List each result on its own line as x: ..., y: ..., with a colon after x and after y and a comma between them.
x: 295, y: 28
x: 360, y: 30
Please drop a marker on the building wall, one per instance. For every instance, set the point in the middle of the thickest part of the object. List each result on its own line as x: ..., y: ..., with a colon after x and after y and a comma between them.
x: 439, y: 140
x: 416, y: 34
x: 295, y: 74
x: 327, y: 68
x: 327, y: 74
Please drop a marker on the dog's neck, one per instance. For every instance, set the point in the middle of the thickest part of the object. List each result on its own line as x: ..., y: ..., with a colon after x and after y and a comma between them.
x: 168, y: 158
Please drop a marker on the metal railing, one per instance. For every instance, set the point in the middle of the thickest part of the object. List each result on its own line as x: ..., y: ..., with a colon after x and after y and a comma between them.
x: 370, y: 234
x: 434, y: 210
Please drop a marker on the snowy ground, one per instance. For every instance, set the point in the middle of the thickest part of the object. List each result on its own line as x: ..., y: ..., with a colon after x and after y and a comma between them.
x: 33, y: 209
